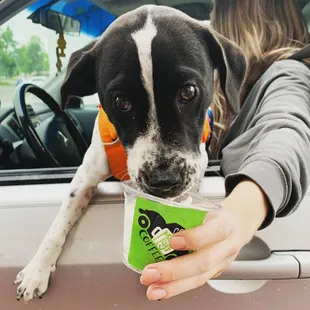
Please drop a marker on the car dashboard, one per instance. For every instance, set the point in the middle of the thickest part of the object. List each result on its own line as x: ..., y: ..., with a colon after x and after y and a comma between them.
x: 14, y: 142
x: 9, y: 125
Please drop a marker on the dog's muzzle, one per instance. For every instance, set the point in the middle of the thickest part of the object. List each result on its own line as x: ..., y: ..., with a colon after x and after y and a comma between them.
x: 165, y: 180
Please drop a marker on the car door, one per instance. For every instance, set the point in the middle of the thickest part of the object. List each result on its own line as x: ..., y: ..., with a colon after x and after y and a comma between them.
x: 273, y: 271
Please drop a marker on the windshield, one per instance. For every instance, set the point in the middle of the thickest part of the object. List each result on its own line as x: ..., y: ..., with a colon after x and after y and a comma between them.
x: 28, y: 52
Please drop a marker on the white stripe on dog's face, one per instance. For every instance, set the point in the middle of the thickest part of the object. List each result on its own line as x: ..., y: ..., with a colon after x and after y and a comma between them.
x: 149, y: 151
x: 143, y: 148
x: 143, y: 39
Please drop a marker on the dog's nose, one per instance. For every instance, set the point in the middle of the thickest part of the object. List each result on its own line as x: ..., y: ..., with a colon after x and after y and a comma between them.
x: 164, y: 180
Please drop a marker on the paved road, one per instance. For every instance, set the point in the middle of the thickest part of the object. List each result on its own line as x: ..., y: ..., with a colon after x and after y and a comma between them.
x: 6, y: 94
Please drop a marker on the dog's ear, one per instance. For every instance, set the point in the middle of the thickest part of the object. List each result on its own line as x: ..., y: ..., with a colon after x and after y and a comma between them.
x: 231, y: 64
x: 80, y: 76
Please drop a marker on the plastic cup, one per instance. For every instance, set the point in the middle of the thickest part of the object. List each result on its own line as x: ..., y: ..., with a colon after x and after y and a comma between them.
x: 149, y: 223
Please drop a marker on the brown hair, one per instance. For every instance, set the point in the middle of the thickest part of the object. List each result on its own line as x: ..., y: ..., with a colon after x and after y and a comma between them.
x: 267, y: 31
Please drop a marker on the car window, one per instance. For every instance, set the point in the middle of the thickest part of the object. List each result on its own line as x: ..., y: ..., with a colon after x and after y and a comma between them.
x: 28, y: 54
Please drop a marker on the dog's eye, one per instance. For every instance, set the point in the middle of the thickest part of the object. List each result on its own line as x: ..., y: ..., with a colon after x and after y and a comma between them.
x: 123, y: 104
x: 187, y: 93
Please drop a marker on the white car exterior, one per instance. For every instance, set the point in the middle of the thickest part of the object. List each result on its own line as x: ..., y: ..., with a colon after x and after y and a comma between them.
x: 273, y: 271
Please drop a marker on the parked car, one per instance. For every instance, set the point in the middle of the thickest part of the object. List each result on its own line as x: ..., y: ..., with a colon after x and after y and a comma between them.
x: 272, y: 272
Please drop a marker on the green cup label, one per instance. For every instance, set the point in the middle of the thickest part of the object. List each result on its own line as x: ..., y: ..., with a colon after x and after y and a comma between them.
x: 153, y: 226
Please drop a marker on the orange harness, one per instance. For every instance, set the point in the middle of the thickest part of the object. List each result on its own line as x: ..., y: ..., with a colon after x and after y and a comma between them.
x: 115, y: 151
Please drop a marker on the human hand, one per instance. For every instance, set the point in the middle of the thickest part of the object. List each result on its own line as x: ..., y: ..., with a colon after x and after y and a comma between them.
x: 216, y: 243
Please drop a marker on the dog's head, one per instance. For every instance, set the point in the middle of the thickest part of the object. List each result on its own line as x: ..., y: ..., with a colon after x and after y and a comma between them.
x: 153, y: 70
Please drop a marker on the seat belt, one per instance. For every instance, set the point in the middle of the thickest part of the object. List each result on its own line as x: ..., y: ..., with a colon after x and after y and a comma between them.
x: 302, y: 54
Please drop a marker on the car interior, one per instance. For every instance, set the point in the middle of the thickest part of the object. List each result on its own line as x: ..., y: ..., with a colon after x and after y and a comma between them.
x: 38, y: 141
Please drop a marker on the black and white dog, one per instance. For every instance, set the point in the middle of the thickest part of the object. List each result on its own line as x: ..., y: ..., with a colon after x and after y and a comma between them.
x: 153, y: 70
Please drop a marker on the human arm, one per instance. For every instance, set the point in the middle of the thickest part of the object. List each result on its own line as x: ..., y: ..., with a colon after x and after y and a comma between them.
x: 272, y: 179
x: 218, y: 240
x: 274, y: 146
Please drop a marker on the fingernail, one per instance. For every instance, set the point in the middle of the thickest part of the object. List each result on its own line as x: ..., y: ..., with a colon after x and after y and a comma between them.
x: 158, y: 293
x: 151, y: 273
x: 177, y: 243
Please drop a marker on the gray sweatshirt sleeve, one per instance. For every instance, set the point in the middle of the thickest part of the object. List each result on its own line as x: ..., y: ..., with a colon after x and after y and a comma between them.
x: 269, y: 142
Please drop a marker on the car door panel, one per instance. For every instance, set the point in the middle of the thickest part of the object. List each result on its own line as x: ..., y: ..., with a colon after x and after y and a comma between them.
x: 91, y: 274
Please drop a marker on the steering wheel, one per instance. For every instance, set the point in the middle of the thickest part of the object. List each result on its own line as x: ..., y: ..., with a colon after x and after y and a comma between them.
x: 55, y: 141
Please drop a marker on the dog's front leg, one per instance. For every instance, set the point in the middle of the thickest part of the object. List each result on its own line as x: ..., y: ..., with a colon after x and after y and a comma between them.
x: 34, y: 277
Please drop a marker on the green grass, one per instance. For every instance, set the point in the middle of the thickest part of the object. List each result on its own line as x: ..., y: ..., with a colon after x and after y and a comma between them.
x: 3, y: 83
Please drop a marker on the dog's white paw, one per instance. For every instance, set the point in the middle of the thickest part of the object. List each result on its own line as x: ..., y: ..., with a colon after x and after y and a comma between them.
x: 33, y: 280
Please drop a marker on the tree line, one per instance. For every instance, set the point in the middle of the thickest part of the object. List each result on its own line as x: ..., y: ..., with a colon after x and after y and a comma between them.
x: 16, y: 59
